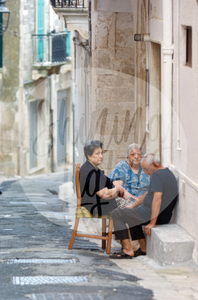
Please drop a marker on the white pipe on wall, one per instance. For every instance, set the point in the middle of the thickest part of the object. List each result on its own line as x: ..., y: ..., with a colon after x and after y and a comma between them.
x: 178, y: 75
x: 167, y: 51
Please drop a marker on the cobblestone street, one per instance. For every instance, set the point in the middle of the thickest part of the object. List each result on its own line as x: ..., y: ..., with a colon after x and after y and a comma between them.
x: 34, y: 260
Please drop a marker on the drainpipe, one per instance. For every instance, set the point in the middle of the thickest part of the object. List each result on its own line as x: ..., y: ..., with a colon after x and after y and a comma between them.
x: 167, y: 52
x: 178, y: 76
x: 147, y: 83
x: 73, y: 54
x: 74, y: 169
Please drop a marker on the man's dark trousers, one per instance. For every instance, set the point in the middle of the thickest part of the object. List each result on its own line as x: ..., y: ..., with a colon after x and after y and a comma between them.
x: 132, y: 218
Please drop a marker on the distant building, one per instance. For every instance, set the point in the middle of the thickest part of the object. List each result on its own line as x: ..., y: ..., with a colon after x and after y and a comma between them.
x: 35, y: 91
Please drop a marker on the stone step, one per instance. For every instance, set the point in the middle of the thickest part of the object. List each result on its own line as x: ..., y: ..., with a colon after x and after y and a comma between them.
x: 169, y: 244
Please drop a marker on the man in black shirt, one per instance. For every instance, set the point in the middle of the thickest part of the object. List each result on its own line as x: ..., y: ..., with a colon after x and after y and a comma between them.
x: 153, y: 208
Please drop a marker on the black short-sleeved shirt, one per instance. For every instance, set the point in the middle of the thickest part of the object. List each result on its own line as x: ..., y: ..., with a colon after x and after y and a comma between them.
x: 93, y: 180
x: 165, y: 182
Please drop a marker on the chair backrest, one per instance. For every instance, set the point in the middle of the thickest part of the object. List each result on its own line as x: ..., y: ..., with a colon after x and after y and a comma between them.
x: 77, y: 180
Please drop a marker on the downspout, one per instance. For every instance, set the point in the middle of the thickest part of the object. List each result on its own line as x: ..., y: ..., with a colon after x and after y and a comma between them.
x: 21, y: 112
x: 74, y: 153
x: 73, y: 53
x: 178, y: 74
x: 51, y: 127
x: 147, y: 84
x: 167, y: 51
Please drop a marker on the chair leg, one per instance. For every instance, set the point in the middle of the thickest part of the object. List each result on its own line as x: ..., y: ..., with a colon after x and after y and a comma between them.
x: 103, y: 233
x: 73, y: 234
x: 109, y: 236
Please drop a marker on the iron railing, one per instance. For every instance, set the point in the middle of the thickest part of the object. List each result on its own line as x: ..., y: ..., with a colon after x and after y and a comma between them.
x: 50, y: 48
x: 69, y: 3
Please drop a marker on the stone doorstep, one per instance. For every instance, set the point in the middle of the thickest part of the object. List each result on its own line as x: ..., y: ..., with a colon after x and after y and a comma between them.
x: 169, y: 244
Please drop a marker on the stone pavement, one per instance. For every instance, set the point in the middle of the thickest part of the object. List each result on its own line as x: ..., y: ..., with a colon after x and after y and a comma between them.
x: 171, y: 282
x: 35, y: 230
x: 34, y: 260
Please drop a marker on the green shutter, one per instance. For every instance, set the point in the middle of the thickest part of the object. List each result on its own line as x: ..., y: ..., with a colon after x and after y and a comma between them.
x: 1, y: 43
x: 68, y: 43
x: 40, y: 30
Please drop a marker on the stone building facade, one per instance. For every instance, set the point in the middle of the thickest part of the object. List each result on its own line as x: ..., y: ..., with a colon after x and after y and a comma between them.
x: 33, y: 135
x: 110, y: 76
x: 142, y: 91
x: 118, y: 80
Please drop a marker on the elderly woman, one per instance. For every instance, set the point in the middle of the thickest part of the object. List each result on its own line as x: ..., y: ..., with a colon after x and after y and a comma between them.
x: 129, y: 173
x: 131, y: 176
x: 97, y: 190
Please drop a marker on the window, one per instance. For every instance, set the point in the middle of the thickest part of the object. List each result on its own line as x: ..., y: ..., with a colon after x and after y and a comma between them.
x: 189, y: 46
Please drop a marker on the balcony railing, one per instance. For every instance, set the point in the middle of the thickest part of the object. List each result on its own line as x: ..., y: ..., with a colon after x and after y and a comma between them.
x: 69, y: 3
x: 50, y: 49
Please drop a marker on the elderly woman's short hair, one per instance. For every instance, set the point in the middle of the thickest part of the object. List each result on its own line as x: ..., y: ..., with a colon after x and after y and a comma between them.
x: 91, y: 146
x: 134, y: 146
x: 151, y: 158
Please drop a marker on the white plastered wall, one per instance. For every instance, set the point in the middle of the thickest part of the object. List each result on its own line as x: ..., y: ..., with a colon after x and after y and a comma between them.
x: 184, y: 121
x: 185, y: 131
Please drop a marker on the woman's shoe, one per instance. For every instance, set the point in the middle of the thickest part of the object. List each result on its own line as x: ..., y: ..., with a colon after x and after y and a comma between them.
x: 120, y: 255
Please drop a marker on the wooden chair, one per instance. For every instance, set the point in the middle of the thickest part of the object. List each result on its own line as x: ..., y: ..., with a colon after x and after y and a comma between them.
x: 82, y: 212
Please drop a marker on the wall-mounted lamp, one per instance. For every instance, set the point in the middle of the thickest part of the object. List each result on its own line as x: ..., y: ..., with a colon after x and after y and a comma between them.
x: 4, y: 16
x: 142, y: 37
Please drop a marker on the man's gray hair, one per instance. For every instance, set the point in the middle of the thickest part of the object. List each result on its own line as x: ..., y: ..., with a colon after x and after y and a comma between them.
x: 134, y: 146
x: 151, y: 158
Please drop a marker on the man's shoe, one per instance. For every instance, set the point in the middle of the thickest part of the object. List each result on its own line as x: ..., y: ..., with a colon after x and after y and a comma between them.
x: 139, y: 252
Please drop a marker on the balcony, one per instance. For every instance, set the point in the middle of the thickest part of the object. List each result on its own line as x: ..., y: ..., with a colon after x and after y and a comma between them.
x: 68, y: 3
x: 50, y: 53
x: 75, y: 14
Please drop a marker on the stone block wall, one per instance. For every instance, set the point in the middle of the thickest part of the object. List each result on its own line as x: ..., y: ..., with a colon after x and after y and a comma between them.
x: 9, y: 97
x: 116, y: 106
x: 29, y: 14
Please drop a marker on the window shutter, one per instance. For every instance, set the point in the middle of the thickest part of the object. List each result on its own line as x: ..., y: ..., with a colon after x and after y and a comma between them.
x: 40, y: 29
x: 1, y: 43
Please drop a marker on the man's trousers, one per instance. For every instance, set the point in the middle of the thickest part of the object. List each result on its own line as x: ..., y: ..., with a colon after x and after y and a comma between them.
x: 129, y: 216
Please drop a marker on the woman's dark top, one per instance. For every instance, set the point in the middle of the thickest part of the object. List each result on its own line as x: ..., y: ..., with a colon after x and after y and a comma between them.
x: 92, y: 181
